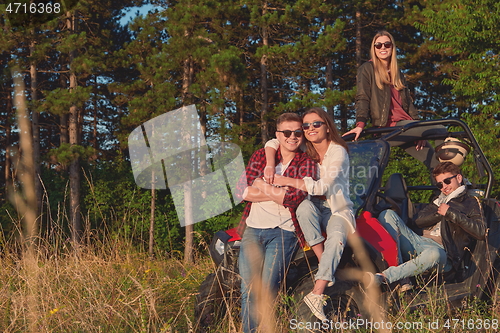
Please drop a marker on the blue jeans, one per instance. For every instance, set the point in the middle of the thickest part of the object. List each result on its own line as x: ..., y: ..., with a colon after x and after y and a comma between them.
x: 264, y: 254
x: 315, y: 216
x: 426, y: 252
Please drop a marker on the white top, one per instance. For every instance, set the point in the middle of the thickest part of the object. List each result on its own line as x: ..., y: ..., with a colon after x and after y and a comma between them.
x: 333, y: 182
x: 269, y: 214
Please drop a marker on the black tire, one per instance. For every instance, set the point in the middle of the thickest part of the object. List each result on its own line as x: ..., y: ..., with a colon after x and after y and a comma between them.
x: 207, y: 310
x: 490, y: 293
x: 345, y: 302
x: 219, y: 292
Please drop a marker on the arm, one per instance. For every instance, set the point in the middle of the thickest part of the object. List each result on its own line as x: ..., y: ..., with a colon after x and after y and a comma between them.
x: 334, y: 175
x: 428, y: 216
x: 255, y: 194
x: 288, y: 181
x: 471, y: 222
x: 244, y: 189
x: 412, y: 110
x: 268, y: 191
x: 306, y: 168
x: 356, y: 130
x: 299, y: 168
x: 364, y: 81
x: 271, y: 147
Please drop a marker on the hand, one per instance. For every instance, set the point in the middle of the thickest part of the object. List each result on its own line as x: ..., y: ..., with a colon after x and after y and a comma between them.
x: 260, y: 184
x: 279, y: 180
x: 442, y: 209
x: 420, y: 144
x: 258, y: 181
x: 356, y: 130
x: 269, y: 174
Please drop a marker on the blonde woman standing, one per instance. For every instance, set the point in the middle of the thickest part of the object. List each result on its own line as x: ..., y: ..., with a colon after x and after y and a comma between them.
x: 384, y: 98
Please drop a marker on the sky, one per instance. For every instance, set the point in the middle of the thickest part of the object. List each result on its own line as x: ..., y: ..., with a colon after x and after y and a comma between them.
x: 133, y: 12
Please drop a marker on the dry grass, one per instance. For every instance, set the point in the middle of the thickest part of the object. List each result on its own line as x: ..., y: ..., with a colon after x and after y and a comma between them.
x: 48, y: 286
x: 98, y: 291
x: 111, y: 287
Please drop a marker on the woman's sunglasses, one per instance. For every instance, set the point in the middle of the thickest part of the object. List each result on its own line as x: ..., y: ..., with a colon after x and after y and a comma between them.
x: 387, y: 45
x: 447, y: 181
x: 316, y: 124
x: 288, y: 133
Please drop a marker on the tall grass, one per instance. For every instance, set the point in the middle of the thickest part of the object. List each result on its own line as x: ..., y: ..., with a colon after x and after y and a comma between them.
x: 106, y: 287
x: 110, y: 285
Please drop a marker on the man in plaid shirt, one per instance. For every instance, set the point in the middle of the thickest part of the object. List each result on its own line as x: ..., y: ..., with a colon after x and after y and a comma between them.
x: 271, y: 230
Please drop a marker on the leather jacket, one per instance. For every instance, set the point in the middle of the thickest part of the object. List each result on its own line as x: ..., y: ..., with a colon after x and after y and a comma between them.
x: 462, y: 223
x: 374, y: 103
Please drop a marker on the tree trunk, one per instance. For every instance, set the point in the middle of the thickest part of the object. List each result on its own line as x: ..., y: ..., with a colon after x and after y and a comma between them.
x: 25, y: 173
x: 358, y: 37
x: 241, y: 112
x: 187, y: 80
x: 63, y: 119
x: 263, y: 84
x: 9, y: 182
x: 35, y: 124
x: 329, y: 84
x: 329, y: 75
x: 95, y: 142
x: 74, y: 168
x: 152, y: 218
x: 344, y: 111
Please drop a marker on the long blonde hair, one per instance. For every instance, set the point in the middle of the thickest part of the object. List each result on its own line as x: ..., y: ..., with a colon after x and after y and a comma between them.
x: 332, y: 135
x: 381, y: 75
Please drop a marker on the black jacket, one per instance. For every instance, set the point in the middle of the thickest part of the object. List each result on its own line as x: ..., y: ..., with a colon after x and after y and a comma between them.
x: 462, y: 223
x: 374, y: 103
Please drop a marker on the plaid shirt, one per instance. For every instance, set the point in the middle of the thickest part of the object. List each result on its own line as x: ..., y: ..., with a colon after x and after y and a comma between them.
x: 300, y: 166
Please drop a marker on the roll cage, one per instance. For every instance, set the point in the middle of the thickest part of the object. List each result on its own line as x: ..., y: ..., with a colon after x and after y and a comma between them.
x: 372, y: 150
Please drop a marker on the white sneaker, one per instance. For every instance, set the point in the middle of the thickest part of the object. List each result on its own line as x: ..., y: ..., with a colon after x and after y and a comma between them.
x: 316, y: 304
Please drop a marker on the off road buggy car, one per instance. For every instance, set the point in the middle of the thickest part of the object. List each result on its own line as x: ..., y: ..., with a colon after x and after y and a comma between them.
x: 369, y: 157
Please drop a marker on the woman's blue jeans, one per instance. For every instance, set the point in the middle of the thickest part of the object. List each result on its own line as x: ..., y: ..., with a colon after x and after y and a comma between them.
x: 315, y: 217
x: 417, y: 254
x: 264, y: 254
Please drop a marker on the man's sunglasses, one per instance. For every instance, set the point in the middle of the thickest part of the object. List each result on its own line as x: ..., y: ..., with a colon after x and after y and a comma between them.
x: 316, y: 124
x: 387, y: 45
x: 288, y: 133
x: 447, y: 181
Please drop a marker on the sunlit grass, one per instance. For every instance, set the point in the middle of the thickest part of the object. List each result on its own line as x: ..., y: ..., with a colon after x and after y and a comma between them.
x: 98, y: 291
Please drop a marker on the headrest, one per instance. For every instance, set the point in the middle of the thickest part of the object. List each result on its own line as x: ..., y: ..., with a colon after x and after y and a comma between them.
x: 452, y: 150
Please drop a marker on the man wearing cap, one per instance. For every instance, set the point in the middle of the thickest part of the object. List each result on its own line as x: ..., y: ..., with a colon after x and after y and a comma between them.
x: 451, y: 223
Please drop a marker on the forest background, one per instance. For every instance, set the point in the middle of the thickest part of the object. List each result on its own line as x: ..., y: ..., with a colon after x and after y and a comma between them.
x: 89, y: 81
x: 111, y: 256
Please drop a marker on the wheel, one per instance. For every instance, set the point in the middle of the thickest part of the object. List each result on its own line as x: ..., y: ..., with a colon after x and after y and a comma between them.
x: 219, y: 292
x: 344, y: 303
x: 206, y: 309
x: 490, y: 294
